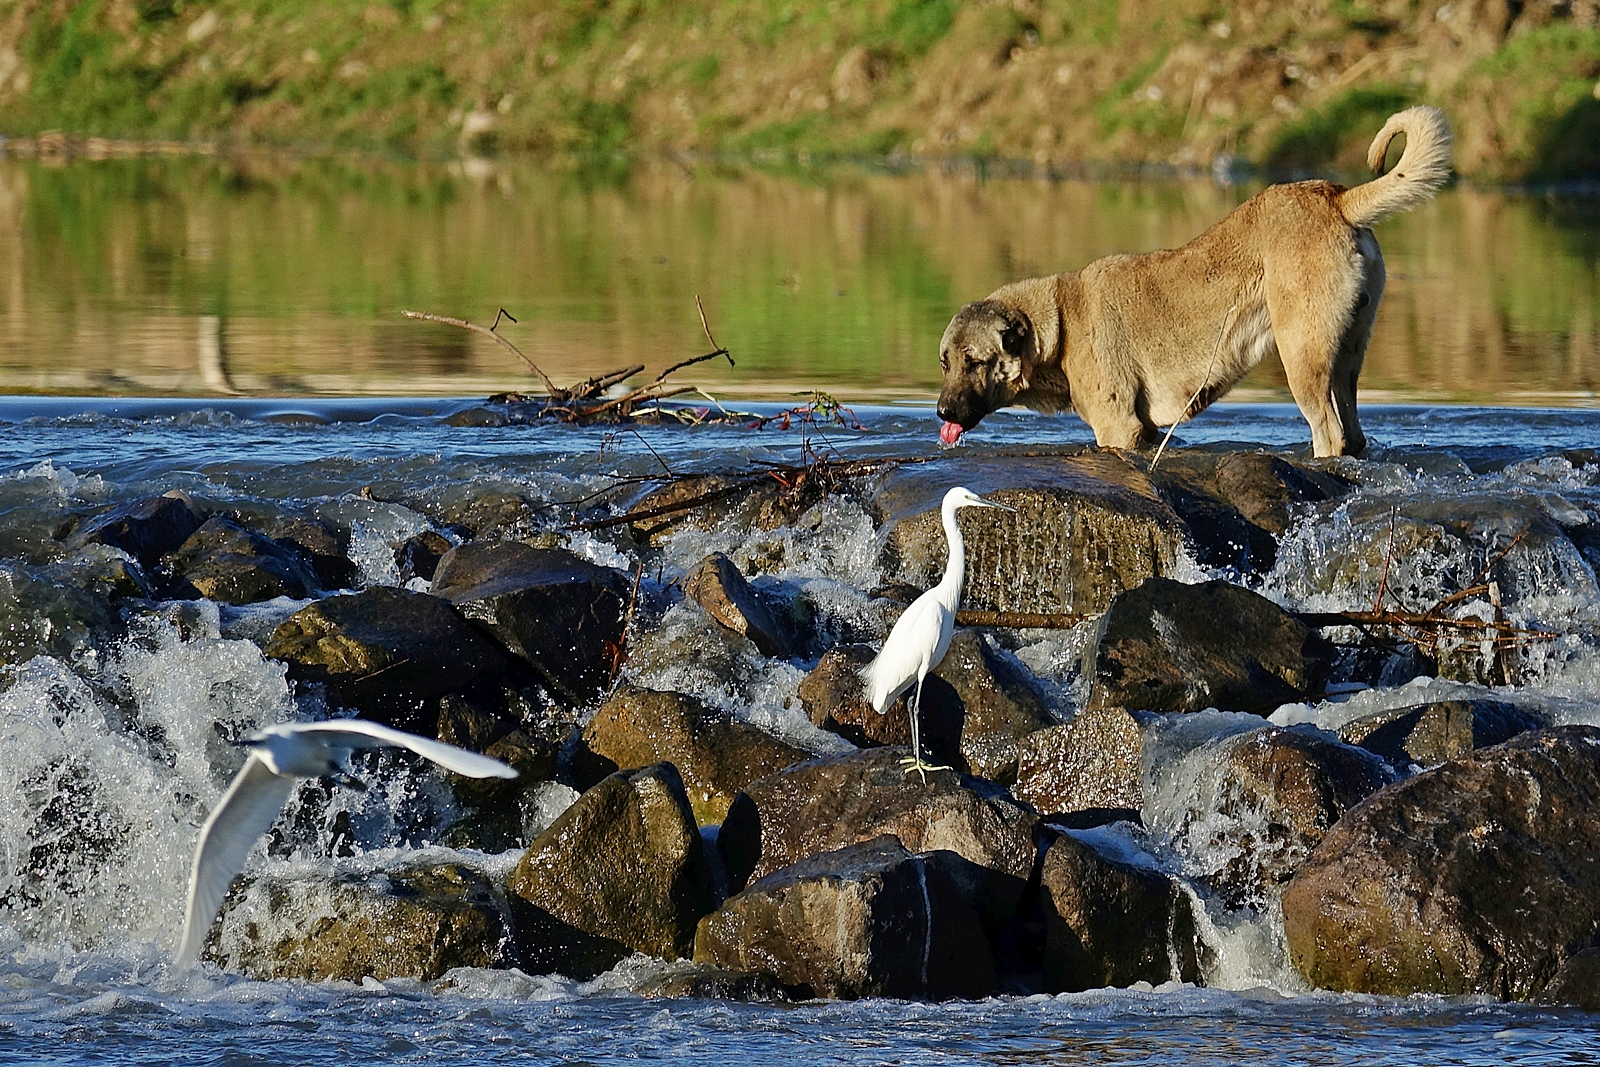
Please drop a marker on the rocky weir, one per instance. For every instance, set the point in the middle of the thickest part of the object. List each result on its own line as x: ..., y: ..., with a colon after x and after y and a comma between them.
x: 1244, y: 718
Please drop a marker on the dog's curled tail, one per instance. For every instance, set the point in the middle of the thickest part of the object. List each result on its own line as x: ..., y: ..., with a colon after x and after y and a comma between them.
x: 1424, y: 166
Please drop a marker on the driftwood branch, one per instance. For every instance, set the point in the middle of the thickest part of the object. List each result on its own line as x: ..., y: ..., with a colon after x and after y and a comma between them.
x: 1021, y: 620
x: 551, y: 387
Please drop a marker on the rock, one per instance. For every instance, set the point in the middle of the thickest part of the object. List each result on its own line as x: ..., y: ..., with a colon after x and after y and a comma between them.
x: 1167, y: 646
x: 1259, y: 802
x: 1218, y: 534
x: 42, y: 614
x: 716, y: 585
x: 418, y: 556
x: 1424, y: 735
x: 1110, y: 923
x: 145, y: 529
x: 496, y: 815
x: 1479, y: 876
x: 622, y: 870
x: 869, y: 919
x: 699, y: 501
x: 716, y: 754
x: 993, y: 699
x: 835, y: 700
x: 834, y: 801
x: 386, y: 652
x: 976, y: 706
x: 1576, y: 981
x: 702, y: 981
x: 225, y: 562
x: 320, y: 545
x: 555, y: 611
x: 1094, y: 763
x: 411, y: 922
x: 491, y: 515
x: 1087, y: 528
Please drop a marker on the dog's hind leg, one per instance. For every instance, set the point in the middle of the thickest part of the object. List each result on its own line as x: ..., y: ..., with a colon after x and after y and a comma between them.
x: 1310, y: 324
x: 1353, y: 345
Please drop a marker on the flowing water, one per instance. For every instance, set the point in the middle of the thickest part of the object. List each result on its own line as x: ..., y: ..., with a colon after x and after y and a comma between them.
x: 112, y: 754
x: 272, y: 286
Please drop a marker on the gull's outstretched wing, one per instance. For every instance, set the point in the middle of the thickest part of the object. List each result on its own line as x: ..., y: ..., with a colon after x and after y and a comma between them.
x: 360, y: 733
x: 246, y: 811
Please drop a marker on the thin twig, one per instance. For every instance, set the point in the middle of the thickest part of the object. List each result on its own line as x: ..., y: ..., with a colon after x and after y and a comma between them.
x: 1021, y: 620
x: 550, y: 387
x: 1388, y: 554
x: 1204, y: 381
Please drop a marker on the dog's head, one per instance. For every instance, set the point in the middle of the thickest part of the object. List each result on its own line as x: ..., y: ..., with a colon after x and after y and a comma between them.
x: 986, y: 354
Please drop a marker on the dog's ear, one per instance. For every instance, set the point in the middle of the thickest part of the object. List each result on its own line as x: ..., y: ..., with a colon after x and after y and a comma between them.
x: 1016, y: 342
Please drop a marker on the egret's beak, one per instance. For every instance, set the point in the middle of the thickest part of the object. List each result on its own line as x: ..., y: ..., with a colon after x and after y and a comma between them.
x: 1002, y: 507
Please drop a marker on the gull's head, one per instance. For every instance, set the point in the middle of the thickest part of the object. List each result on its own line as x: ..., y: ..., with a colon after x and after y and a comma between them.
x: 295, y: 753
x: 962, y: 497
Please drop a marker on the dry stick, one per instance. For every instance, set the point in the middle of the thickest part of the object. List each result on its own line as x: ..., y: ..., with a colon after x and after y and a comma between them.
x: 550, y: 386
x: 627, y: 621
x: 1388, y: 554
x: 1206, y: 380
x: 665, y: 509
x: 1021, y: 620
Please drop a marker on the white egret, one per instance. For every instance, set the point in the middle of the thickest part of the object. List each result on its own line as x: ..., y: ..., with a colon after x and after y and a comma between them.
x: 278, y: 755
x: 921, y: 636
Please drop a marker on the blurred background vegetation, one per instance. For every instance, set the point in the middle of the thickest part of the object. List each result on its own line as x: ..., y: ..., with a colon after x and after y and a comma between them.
x: 1292, y: 86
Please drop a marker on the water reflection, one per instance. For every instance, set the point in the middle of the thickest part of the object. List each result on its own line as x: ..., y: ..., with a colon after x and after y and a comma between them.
x: 275, y: 275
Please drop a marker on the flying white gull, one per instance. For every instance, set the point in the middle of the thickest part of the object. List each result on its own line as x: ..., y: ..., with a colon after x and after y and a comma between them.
x: 278, y: 755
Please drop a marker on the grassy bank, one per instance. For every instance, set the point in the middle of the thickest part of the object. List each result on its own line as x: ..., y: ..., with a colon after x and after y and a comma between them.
x: 1137, y: 81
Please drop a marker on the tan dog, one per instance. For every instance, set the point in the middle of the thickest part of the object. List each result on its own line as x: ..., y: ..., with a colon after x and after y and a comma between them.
x: 1127, y: 341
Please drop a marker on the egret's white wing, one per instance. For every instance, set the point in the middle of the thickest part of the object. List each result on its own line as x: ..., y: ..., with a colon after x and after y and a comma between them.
x: 359, y: 733
x: 246, y: 811
x: 912, y: 642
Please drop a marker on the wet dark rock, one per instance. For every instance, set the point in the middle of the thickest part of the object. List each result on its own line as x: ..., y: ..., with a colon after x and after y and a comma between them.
x: 702, y: 981
x: 320, y: 546
x: 1424, y: 735
x: 1576, y: 981
x: 410, y: 922
x: 558, y: 613
x: 225, y: 562
x: 869, y: 919
x: 498, y: 724
x: 1478, y: 876
x: 418, y: 556
x: 145, y: 529
x: 490, y: 514
x: 1262, y: 489
x: 835, y: 700
x: 1093, y: 763
x: 1167, y: 646
x: 1110, y: 923
x: 41, y: 614
x: 623, y: 870
x: 1264, y: 800
x: 1087, y: 528
x: 976, y: 706
x: 834, y: 801
x: 101, y: 572
x: 716, y: 754
x: 385, y: 651
x: 698, y: 502
x: 716, y: 585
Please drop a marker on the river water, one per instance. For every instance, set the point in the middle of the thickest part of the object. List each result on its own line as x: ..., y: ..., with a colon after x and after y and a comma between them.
x: 87, y: 926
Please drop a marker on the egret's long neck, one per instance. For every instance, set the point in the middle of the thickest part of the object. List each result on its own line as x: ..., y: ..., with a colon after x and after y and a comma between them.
x: 955, y: 567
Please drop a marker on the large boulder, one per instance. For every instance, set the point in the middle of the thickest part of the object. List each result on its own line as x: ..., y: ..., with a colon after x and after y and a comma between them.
x: 1087, y: 527
x: 977, y: 704
x: 1257, y: 803
x: 225, y: 562
x: 386, y: 652
x: 1481, y: 875
x: 869, y: 919
x: 835, y: 699
x: 623, y: 870
x: 41, y: 613
x: 716, y: 584
x: 839, y: 800
x: 1095, y: 763
x: 716, y: 754
x: 557, y: 612
x: 1424, y: 735
x: 1168, y: 646
x: 1109, y: 922
x: 145, y: 529
x: 415, y: 921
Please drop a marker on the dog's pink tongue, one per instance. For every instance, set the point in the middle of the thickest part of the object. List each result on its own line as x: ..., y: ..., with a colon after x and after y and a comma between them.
x: 950, y: 432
